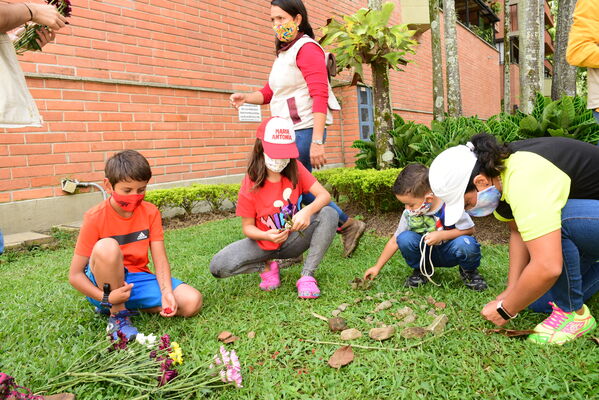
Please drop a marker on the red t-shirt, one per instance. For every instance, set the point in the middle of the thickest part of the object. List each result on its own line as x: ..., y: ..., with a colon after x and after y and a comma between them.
x: 258, y: 204
x: 134, y: 234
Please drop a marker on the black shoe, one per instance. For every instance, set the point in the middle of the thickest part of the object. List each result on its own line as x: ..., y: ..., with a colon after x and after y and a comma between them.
x: 416, y: 279
x: 473, y: 280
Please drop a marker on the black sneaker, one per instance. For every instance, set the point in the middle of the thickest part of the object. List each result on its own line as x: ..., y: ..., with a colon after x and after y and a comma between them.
x: 473, y: 280
x: 416, y: 279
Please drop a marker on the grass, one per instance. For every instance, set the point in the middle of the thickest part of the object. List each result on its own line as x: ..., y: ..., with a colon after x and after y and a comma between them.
x: 45, y: 324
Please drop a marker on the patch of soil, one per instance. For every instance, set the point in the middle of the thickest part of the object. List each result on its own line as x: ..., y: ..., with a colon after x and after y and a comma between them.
x: 183, y: 221
x: 488, y: 229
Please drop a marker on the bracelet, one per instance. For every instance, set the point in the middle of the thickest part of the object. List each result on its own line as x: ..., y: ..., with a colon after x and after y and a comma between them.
x: 30, y: 12
x: 503, y: 312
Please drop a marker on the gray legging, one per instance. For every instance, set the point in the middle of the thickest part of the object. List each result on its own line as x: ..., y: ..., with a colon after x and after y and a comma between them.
x: 245, y: 256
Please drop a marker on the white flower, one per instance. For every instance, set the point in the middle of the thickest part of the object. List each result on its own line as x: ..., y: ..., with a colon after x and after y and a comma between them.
x: 149, y: 341
x: 287, y: 193
x: 278, y: 203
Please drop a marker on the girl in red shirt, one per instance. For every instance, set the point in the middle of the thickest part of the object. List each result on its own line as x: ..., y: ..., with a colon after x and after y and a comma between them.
x: 276, y: 224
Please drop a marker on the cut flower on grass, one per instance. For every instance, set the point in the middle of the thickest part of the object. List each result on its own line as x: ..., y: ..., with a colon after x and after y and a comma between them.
x: 145, y: 368
x: 28, y: 37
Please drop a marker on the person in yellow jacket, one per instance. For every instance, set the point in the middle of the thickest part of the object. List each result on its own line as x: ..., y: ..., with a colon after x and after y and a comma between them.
x: 583, y: 47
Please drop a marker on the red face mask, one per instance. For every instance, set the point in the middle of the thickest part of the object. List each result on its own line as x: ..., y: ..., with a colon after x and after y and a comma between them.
x: 128, y: 202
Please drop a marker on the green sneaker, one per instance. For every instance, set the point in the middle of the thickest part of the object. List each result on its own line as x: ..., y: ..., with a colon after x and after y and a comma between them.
x: 562, y: 327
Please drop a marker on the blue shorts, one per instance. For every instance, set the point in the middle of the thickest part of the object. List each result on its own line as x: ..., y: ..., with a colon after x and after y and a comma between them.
x: 145, y: 293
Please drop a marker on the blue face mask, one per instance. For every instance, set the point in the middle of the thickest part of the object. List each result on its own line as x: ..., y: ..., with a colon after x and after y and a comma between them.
x: 486, y: 202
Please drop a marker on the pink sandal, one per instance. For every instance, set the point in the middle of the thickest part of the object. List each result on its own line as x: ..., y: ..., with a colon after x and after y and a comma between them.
x: 270, y: 278
x: 307, y: 288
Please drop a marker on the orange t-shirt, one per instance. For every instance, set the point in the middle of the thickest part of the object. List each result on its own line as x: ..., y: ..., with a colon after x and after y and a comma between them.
x: 133, y: 234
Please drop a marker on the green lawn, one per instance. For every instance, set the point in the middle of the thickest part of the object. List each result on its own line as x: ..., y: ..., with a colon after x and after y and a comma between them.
x: 44, y: 324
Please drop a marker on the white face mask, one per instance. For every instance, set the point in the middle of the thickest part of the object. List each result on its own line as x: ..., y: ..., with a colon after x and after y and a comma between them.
x: 275, y: 165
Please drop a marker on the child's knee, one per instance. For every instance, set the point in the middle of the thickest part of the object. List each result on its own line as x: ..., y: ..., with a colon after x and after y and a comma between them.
x: 107, y: 250
x: 408, y: 241
x: 329, y: 215
x: 218, y: 265
x: 192, y: 303
x: 467, y: 247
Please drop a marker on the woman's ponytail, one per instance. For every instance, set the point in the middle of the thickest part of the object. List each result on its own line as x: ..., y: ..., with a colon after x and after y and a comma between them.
x: 490, y: 155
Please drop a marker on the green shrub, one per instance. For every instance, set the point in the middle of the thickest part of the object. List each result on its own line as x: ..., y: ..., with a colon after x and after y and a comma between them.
x: 368, y: 188
x: 186, y: 197
x: 414, y: 142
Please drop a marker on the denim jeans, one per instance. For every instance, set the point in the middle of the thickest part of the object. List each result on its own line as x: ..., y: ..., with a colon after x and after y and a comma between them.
x: 596, y: 115
x: 579, y: 279
x: 303, y: 140
x: 463, y: 250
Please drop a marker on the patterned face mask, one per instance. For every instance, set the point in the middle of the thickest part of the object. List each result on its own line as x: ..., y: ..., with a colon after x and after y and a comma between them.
x: 285, y: 32
x: 486, y: 202
x: 423, y: 209
x: 275, y: 165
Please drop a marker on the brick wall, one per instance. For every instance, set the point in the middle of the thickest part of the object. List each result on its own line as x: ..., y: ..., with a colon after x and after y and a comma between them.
x: 155, y: 76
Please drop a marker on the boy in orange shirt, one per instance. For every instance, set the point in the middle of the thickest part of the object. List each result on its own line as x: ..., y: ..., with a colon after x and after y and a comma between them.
x: 110, y: 264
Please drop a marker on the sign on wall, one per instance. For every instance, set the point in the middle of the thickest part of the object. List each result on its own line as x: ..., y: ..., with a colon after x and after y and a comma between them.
x: 250, y: 113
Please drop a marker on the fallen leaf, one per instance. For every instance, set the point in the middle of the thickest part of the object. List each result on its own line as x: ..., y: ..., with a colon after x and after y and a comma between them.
x: 251, y: 335
x: 224, y: 335
x: 430, y: 300
x: 383, y: 306
x: 231, y: 339
x: 368, y: 298
x: 438, y: 325
x: 380, y: 295
x: 350, y: 334
x: 342, y: 356
x: 369, y: 319
x: 440, y: 305
x: 337, y: 324
x: 510, y: 332
x: 357, y: 300
x: 414, y: 332
x: 382, y: 333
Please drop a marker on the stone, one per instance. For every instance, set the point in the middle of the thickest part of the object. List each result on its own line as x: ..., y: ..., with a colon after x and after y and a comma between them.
x: 403, y: 312
x: 350, y: 334
x: 337, y: 324
x: 440, y: 305
x: 414, y: 332
x: 382, y: 333
x: 335, y: 313
x: 383, y: 306
x: 343, y: 307
x: 430, y: 300
x: 438, y: 325
x: 251, y: 335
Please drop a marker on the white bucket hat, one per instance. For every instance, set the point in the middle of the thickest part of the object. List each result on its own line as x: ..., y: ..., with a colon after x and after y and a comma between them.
x: 449, y: 175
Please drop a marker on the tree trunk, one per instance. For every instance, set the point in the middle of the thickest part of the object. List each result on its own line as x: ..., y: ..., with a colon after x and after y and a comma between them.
x: 383, y: 113
x: 438, y: 90
x: 507, y: 59
x: 564, y: 74
x: 375, y: 4
x: 454, y: 96
x: 530, y: 55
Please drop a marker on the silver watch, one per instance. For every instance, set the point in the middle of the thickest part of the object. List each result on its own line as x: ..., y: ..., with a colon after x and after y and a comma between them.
x: 317, y: 141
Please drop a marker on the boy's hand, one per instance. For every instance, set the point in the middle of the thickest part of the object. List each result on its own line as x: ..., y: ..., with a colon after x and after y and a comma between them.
x: 169, y: 305
x: 301, y: 221
x: 433, y: 238
x: 276, y: 236
x: 120, y: 295
x: 371, y: 272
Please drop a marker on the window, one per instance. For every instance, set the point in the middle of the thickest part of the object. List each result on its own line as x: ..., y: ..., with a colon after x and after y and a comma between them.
x: 365, y: 112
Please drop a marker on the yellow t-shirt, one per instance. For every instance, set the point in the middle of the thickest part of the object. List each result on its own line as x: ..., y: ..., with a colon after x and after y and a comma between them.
x: 539, y: 178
